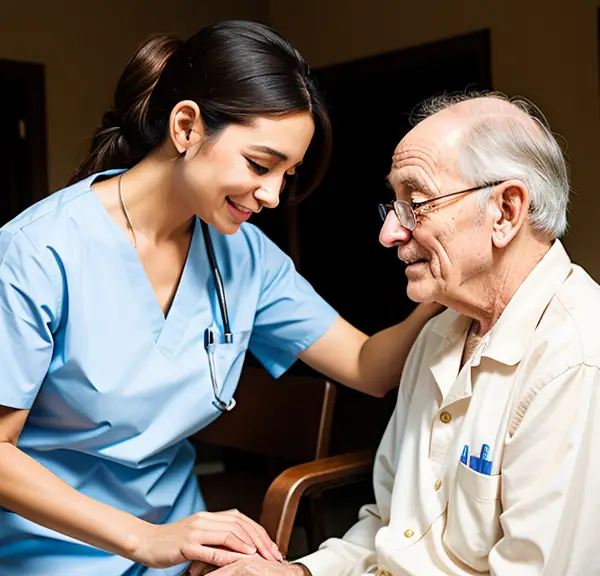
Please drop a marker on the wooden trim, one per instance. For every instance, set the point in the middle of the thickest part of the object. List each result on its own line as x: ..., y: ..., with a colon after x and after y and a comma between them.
x: 326, y: 422
x: 281, y: 501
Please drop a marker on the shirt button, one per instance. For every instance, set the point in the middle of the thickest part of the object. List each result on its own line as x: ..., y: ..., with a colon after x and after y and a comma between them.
x: 409, y: 533
x: 445, y: 417
x: 437, y: 485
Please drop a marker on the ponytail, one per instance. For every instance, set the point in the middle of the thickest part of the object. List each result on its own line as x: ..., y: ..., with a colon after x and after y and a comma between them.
x: 125, y: 135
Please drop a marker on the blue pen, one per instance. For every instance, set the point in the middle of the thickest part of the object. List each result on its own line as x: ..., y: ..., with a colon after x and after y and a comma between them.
x: 485, y: 464
x: 474, y: 463
x: 485, y: 450
x: 464, y: 457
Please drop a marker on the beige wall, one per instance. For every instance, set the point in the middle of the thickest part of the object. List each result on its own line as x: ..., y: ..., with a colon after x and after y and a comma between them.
x: 84, y: 46
x: 544, y: 50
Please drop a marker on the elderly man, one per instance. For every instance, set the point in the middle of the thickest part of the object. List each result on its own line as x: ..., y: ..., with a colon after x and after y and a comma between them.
x: 491, y: 462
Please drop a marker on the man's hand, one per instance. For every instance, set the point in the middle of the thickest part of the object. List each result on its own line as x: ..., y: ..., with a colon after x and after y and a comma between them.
x: 252, y: 566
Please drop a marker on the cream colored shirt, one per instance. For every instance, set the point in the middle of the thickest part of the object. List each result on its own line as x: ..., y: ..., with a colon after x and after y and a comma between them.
x: 531, y: 391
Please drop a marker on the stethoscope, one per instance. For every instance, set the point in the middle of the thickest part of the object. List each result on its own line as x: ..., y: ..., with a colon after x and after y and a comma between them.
x: 209, y: 337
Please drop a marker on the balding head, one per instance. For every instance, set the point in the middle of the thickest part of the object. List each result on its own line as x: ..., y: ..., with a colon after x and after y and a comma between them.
x: 474, y: 109
x: 488, y: 137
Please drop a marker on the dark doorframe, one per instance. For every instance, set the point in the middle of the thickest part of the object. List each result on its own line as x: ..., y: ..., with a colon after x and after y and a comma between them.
x: 467, y: 63
x: 23, y: 155
x: 333, y: 234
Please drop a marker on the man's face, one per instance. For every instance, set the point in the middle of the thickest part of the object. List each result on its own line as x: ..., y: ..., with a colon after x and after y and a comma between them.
x: 450, y: 251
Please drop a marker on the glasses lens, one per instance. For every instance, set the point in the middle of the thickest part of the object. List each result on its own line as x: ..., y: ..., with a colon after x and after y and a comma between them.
x: 383, y: 211
x: 405, y: 214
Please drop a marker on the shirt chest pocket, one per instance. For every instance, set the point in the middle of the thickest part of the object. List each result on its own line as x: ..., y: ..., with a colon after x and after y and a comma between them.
x: 473, y: 523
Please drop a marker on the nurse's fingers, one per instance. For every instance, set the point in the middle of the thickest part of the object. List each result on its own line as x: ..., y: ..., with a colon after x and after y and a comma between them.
x: 266, y: 547
x: 211, y: 556
x: 223, y: 535
x: 208, y: 522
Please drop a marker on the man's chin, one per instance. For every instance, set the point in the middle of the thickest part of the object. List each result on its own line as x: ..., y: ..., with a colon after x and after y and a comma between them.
x: 419, y: 293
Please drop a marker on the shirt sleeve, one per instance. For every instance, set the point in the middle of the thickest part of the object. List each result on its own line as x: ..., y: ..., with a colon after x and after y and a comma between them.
x: 550, y: 479
x: 28, y: 317
x: 290, y: 315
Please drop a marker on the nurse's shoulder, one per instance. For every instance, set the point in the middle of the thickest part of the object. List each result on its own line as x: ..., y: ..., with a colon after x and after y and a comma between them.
x: 48, y: 217
x: 37, y: 246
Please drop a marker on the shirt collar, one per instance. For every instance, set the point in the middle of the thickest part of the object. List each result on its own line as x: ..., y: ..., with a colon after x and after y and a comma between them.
x: 508, y: 339
x: 510, y: 336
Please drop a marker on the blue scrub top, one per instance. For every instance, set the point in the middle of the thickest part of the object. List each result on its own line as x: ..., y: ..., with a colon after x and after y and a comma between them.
x: 114, y: 388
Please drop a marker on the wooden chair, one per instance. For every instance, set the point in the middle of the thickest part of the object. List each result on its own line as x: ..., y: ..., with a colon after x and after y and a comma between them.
x: 286, y: 422
x: 281, y: 502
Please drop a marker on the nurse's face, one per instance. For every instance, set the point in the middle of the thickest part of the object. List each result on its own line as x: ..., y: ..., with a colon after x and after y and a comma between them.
x: 224, y: 180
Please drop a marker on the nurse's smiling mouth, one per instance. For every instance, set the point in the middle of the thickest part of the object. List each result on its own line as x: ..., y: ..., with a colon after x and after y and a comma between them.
x: 239, y: 212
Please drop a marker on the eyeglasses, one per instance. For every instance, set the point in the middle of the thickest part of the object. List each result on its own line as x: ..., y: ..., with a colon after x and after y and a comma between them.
x: 406, y: 212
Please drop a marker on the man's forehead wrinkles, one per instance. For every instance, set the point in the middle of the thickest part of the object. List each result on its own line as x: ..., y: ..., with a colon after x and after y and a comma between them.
x: 414, y: 178
x: 417, y: 153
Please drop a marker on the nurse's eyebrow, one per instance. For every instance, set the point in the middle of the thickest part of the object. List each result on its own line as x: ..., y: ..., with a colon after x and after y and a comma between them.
x: 270, y: 152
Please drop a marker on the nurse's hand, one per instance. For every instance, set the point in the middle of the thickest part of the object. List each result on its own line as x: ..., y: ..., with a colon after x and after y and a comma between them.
x: 217, y: 538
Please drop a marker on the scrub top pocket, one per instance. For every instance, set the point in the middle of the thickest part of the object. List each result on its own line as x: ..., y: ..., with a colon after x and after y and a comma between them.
x: 228, y: 361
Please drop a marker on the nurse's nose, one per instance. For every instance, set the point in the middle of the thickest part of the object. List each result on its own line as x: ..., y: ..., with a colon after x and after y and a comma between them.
x: 268, y: 194
x: 392, y: 232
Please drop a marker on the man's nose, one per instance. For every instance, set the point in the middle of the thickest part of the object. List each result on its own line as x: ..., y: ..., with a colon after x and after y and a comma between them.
x: 392, y: 232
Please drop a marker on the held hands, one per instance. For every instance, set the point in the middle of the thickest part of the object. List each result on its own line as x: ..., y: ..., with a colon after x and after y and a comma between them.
x: 253, y: 565
x: 217, y: 539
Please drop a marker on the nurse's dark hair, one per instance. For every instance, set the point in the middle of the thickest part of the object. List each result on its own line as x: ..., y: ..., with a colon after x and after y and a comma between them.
x: 234, y: 70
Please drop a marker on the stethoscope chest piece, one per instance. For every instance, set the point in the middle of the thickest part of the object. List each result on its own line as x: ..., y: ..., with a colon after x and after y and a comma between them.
x: 218, y: 403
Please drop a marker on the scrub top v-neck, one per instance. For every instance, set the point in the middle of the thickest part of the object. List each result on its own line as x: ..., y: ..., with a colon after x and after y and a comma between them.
x: 114, y: 386
x: 167, y: 330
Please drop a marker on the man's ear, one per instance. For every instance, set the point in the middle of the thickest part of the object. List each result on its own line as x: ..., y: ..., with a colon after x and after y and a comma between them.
x: 511, y: 207
x: 185, y: 126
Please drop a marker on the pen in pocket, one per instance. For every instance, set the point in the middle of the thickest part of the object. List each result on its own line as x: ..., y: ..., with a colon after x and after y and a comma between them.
x: 485, y: 465
x: 479, y: 463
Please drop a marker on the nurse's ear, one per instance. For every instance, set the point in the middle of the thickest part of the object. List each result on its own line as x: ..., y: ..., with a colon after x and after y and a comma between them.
x: 185, y: 126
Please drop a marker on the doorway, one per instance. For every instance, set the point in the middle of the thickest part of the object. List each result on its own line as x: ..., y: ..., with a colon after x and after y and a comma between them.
x: 23, y: 162
x: 337, y: 227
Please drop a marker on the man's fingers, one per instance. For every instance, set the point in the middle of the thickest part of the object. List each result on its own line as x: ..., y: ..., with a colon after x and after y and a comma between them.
x: 199, y: 569
x: 230, y: 570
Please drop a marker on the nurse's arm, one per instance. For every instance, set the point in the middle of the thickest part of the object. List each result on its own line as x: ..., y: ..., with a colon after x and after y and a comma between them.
x: 34, y: 492
x: 369, y: 364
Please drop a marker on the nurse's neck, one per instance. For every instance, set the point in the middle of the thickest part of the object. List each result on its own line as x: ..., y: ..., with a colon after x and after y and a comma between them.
x: 149, y: 204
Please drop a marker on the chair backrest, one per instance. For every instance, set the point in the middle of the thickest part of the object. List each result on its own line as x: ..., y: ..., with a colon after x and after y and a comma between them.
x: 289, y: 418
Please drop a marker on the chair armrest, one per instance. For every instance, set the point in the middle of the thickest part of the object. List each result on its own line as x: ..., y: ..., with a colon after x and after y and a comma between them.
x: 283, y: 496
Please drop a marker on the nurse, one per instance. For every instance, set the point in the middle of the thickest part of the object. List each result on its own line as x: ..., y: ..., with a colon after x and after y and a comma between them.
x: 129, y: 299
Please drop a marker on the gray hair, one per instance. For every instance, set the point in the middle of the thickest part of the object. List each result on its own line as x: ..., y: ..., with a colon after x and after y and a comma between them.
x: 504, y: 146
